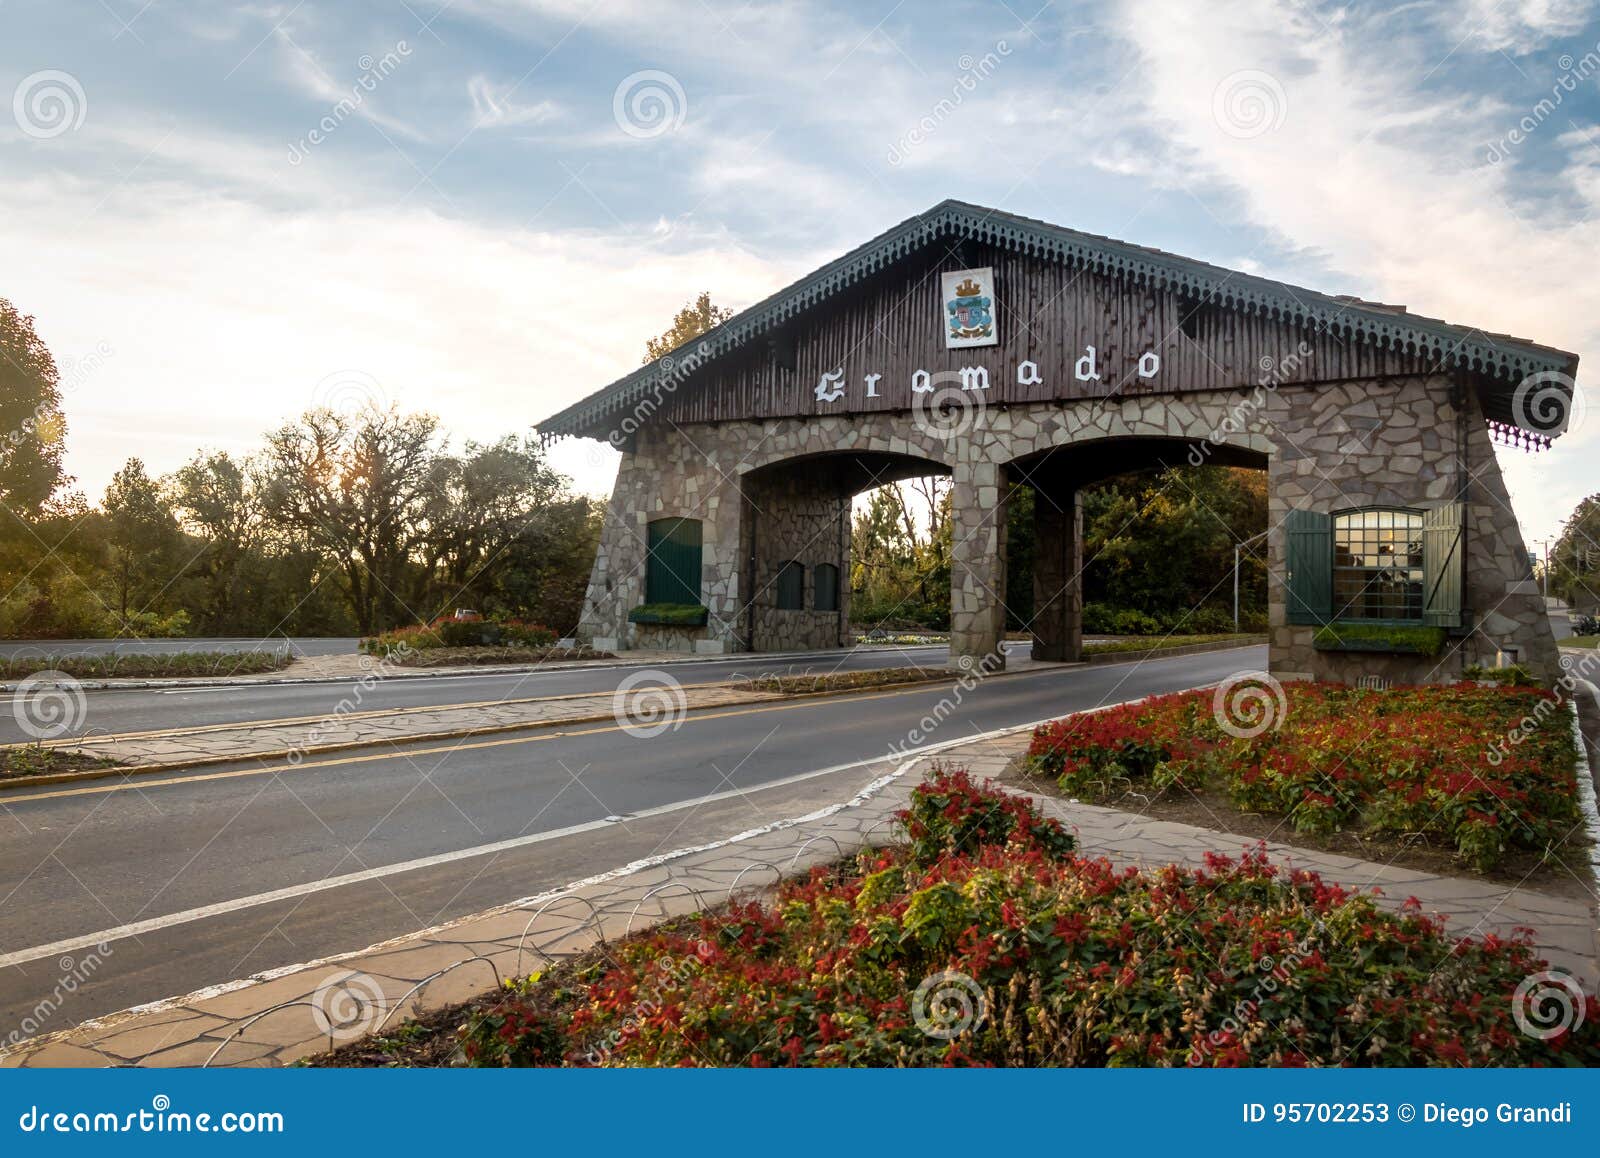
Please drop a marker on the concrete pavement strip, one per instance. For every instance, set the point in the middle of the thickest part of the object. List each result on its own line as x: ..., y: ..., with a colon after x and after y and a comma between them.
x: 277, y: 1017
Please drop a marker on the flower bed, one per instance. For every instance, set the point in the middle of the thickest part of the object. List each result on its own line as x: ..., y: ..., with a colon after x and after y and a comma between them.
x: 467, y: 632
x: 986, y: 940
x: 148, y: 665
x: 1435, y: 760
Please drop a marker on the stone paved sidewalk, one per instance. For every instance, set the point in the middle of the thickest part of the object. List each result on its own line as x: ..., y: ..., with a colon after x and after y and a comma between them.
x: 278, y: 1018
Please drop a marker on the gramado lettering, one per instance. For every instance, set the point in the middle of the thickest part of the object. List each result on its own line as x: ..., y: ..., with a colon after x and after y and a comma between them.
x: 831, y: 386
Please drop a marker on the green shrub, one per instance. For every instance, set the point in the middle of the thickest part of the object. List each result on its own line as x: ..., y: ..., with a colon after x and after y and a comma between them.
x: 1514, y: 675
x: 1403, y: 639
x: 669, y: 614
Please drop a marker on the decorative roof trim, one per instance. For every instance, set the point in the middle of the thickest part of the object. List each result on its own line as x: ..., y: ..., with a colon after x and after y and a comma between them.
x: 1445, y: 345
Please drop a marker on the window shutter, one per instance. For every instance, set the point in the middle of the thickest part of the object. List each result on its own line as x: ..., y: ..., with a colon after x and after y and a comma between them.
x: 1443, y: 564
x: 792, y: 587
x: 825, y: 580
x: 1308, y: 557
x: 672, y: 570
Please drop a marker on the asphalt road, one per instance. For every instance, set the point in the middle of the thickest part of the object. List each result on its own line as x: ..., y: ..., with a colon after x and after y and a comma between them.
x: 115, y: 710
x: 77, y: 863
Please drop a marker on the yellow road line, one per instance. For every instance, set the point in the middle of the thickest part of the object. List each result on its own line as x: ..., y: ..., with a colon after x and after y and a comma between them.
x: 544, y: 736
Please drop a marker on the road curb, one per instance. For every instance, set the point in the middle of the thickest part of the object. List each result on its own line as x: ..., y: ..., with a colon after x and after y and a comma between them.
x: 1185, y: 649
x: 130, y: 770
x: 619, y: 660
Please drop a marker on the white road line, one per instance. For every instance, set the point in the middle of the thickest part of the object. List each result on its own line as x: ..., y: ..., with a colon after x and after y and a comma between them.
x: 221, y: 908
x: 186, y: 916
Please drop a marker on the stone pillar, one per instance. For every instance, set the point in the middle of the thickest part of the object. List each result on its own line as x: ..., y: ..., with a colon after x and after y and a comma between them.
x: 1057, y: 576
x: 977, y: 565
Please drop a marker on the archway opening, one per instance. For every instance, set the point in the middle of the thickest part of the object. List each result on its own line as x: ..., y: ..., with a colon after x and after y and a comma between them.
x: 803, y: 573
x: 1134, y: 537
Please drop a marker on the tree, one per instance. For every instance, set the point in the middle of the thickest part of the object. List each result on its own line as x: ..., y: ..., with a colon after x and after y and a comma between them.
x: 484, y: 503
x: 358, y: 488
x: 1163, y: 542
x: 30, y: 414
x: 1575, y: 559
x: 216, y: 503
x: 143, y: 538
x: 694, y: 319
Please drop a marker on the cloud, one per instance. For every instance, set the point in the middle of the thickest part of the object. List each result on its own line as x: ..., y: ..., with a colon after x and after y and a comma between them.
x: 216, y: 319
x: 494, y: 106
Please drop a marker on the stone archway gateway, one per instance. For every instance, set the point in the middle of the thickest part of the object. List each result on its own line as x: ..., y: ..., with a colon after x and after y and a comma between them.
x: 1007, y: 352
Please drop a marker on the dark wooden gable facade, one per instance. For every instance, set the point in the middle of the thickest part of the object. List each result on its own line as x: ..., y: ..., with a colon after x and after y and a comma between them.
x: 879, y: 310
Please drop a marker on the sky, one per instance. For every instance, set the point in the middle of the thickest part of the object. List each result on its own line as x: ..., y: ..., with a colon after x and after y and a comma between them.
x: 221, y: 215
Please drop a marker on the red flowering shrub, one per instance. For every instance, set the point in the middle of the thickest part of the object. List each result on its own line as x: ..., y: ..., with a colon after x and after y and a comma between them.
x: 951, y: 815
x: 1011, y: 951
x: 1437, y: 760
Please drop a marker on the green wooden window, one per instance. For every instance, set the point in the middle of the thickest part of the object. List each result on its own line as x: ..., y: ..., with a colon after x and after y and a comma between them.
x: 672, y: 567
x: 1308, y: 557
x: 792, y: 586
x: 825, y: 580
x: 1377, y: 564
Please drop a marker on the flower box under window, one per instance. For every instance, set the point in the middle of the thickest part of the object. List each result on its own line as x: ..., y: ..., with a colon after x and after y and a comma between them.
x: 1395, y: 639
x: 669, y: 614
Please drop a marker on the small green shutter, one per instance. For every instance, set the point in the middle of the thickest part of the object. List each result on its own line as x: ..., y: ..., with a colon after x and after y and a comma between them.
x: 792, y: 587
x: 1443, y: 564
x: 825, y: 580
x: 1308, y: 558
x: 672, y: 569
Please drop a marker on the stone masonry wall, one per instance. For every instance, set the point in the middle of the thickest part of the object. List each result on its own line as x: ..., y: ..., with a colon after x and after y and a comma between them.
x: 1399, y: 442
x: 1389, y: 441
x: 801, y: 516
